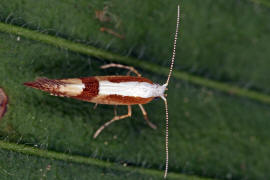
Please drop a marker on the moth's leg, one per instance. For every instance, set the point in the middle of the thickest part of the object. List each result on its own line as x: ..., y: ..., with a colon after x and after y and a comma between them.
x: 115, y: 110
x: 146, y: 117
x: 111, y: 121
x: 128, y: 73
x: 130, y: 68
x: 95, y: 106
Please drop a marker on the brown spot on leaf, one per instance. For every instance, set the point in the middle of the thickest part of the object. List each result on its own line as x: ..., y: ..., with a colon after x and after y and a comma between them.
x: 3, y: 103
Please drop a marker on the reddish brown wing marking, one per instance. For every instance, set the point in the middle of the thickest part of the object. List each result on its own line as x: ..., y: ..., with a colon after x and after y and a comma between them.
x: 118, y: 79
x: 128, y: 100
x: 119, y: 100
x: 90, y: 90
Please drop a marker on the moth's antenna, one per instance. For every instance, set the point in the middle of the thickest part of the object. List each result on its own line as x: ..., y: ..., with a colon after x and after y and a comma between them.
x: 167, y: 137
x: 165, y: 101
x: 174, y: 45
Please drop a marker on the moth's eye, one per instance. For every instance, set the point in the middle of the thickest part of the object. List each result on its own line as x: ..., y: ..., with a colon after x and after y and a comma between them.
x: 156, y: 98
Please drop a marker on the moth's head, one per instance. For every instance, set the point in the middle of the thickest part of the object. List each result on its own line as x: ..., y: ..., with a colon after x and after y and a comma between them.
x: 161, y: 91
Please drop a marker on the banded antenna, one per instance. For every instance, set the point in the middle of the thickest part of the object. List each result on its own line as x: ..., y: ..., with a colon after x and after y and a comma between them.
x: 165, y: 101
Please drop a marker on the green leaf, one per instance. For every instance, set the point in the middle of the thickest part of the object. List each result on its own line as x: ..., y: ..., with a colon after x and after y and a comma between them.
x: 212, y: 134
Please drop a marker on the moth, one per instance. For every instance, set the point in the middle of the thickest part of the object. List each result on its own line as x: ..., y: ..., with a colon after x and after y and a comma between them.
x: 114, y: 90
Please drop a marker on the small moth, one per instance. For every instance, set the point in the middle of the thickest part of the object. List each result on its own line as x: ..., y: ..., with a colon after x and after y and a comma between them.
x: 113, y: 90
